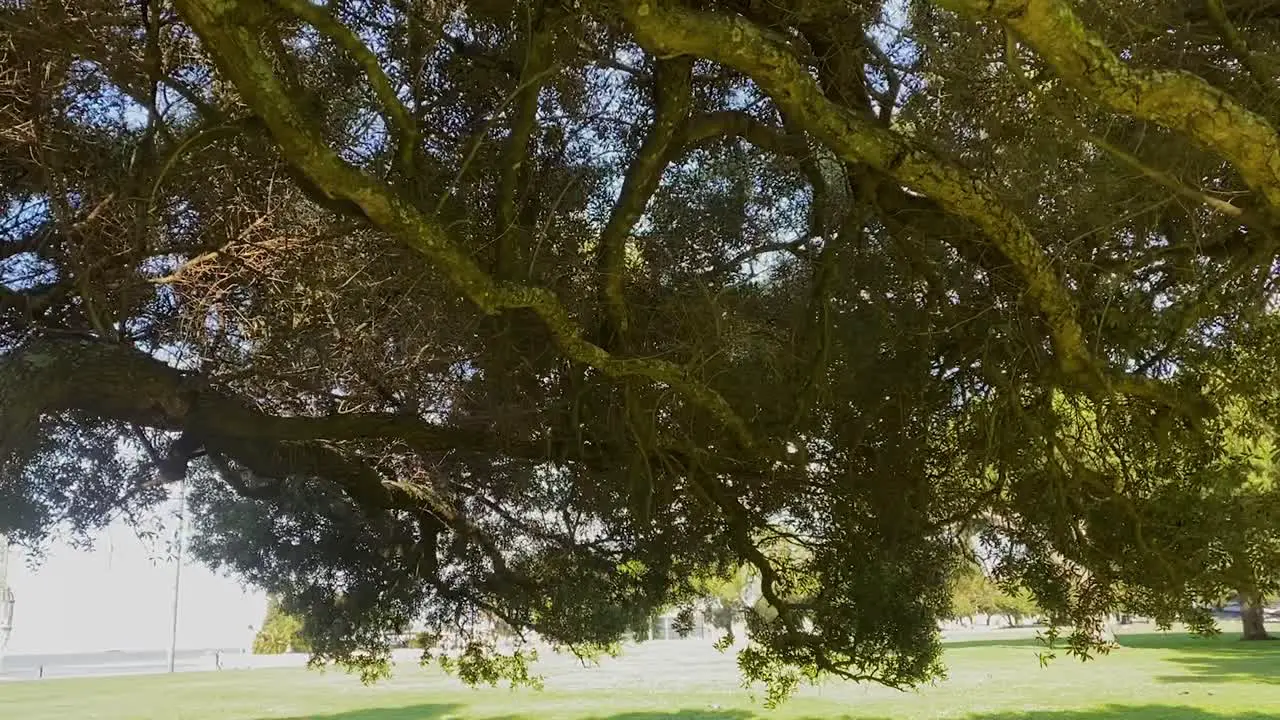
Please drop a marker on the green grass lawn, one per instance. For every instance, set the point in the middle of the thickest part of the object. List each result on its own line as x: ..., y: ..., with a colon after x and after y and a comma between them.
x: 1152, y: 677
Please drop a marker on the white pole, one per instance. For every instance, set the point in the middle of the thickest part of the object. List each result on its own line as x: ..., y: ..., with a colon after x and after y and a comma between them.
x: 177, y: 574
x: 6, y: 598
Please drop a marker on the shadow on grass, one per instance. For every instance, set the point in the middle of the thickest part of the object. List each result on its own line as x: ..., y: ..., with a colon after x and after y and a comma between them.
x: 1129, y: 712
x: 1226, y: 642
x: 412, y: 712
x: 453, y: 712
x: 992, y: 643
x: 1110, y: 712
x: 1219, y: 659
x: 1146, y: 640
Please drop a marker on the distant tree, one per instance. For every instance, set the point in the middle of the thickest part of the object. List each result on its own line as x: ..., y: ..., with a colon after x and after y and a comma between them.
x: 1242, y: 496
x: 964, y: 604
x: 281, y: 632
x: 973, y: 593
x: 1016, y: 605
x: 722, y: 597
x: 423, y: 641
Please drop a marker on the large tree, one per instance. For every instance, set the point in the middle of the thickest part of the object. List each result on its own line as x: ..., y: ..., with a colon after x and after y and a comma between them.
x: 540, y: 310
x: 1246, y: 497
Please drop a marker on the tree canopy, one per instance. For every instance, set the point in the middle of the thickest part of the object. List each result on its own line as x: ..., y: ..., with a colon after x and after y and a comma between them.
x: 543, y: 310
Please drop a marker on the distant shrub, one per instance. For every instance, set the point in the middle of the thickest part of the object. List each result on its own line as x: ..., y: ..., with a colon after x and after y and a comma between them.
x: 424, y: 641
x: 280, y: 633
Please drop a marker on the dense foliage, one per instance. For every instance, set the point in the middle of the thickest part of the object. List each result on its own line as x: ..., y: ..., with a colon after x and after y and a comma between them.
x: 542, y: 310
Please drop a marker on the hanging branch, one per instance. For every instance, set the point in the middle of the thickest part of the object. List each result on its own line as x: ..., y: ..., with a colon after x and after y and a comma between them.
x: 673, y: 92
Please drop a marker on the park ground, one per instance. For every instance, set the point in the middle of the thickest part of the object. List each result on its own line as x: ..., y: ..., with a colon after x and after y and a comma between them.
x: 992, y: 676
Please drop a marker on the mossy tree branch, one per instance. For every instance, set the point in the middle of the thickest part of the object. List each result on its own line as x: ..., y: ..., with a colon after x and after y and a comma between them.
x: 515, y: 151
x: 1162, y: 177
x: 115, y: 382
x: 230, y: 32
x: 673, y: 96
x: 1175, y: 100
x: 856, y: 136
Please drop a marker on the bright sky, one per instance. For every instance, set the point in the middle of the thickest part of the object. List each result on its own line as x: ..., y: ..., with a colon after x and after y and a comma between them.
x: 118, y: 596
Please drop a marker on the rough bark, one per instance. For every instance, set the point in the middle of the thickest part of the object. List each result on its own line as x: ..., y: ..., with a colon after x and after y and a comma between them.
x: 1251, y: 617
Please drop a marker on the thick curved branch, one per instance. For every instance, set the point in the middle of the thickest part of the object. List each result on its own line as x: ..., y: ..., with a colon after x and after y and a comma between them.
x: 394, y: 109
x: 90, y: 379
x: 515, y: 152
x: 735, y: 123
x: 107, y: 381
x: 857, y: 137
x: 240, y: 55
x: 1176, y: 100
x: 371, y: 490
x: 77, y: 374
x: 673, y: 96
x: 1160, y: 176
x: 913, y: 209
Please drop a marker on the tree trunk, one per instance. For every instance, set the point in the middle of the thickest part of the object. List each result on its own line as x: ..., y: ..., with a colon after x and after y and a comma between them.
x: 1251, y: 617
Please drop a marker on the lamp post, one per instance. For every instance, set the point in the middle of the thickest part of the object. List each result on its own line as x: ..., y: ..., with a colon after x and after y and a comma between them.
x: 177, y: 575
x: 6, y: 598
